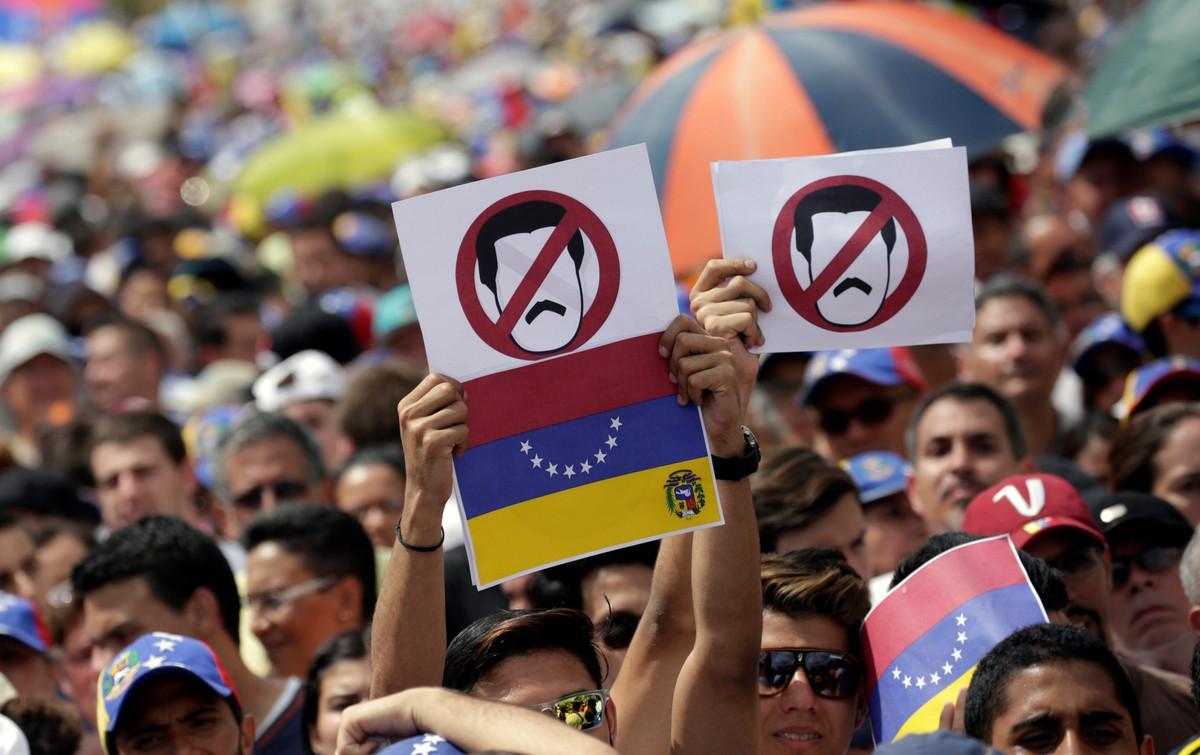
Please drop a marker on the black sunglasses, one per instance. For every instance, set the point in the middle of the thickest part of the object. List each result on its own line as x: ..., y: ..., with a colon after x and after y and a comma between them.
x: 284, y: 490
x: 832, y: 675
x: 873, y: 411
x: 1079, y: 562
x: 1154, y: 560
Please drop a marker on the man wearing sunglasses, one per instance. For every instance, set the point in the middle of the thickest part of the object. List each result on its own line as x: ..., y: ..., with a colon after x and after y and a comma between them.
x: 809, y: 668
x: 1046, y: 517
x: 1149, y: 608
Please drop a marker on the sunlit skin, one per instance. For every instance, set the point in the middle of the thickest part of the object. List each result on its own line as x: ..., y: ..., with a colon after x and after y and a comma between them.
x: 121, y: 611
x: 179, y: 714
x: 1076, y: 299
x: 52, y: 563
x: 16, y: 550
x: 1015, y: 351
x: 539, y: 677
x: 846, y: 393
x: 621, y: 589
x: 137, y: 478
x: 35, y: 386
x: 1149, y: 613
x: 1177, y: 469
x: 842, y: 528
x: 797, y: 720
x: 1064, y: 707
x: 343, y: 684
x: 294, y: 632
x: 30, y: 672
x: 265, y: 461
x: 961, y: 450
x: 320, y: 418
x: 1088, y: 593
x: 116, y: 372
x: 894, y: 532
x: 374, y: 494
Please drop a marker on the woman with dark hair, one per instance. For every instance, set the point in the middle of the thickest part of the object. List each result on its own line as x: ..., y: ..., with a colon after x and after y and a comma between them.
x: 340, y: 676
x: 1159, y: 453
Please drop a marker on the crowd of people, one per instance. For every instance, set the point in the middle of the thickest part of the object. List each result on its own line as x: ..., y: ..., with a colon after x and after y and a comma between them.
x: 225, y: 466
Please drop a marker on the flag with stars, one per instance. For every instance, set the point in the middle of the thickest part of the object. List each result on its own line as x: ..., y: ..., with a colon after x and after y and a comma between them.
x: 922, y: 642
x: 423, y: 744
x: 578, y: 455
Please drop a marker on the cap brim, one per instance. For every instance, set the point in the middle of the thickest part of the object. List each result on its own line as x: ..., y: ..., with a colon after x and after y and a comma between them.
x: 1022, y: 536
x: 219, y: 689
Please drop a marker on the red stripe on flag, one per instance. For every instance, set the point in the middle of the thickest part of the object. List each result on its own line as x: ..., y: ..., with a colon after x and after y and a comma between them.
x: 546, y: 393
x: 932, y: 593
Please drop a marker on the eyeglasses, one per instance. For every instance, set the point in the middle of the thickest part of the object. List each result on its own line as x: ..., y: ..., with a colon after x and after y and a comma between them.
x: 283, y: 490
x: 272, y: 602
x: 1154, y: 560
x: 582, y: 710
x: 617, y: 630
x: 1078, y: 563
x: 869, y: 413
x: 835, y: 676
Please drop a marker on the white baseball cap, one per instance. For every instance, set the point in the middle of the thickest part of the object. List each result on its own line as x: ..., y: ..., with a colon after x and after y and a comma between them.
x: 36, y: 241
x: 12, y: 739
x: 30, y: 336
x: 304, y: 376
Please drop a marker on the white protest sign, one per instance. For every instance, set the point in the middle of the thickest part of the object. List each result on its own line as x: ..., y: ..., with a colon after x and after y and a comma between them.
x: 858, y: 250
x: 469, y: 249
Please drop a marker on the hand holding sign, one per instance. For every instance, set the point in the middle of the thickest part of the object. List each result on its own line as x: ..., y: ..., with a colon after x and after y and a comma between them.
x: 857, y: 250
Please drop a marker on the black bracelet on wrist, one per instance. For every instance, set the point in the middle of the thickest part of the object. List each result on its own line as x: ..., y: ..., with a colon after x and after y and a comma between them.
x: 420, y: 548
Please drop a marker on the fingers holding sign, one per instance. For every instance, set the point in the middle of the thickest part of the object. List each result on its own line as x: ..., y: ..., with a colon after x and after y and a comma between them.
x: 433, y: 426
x: 702, y: 369
x: 727, y: 303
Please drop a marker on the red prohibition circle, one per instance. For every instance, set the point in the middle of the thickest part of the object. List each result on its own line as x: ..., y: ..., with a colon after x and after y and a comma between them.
x: 498, y: 333
x: 804, y: 300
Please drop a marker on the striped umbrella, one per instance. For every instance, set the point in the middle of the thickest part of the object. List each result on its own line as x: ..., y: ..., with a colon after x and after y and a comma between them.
x: 827, y: 78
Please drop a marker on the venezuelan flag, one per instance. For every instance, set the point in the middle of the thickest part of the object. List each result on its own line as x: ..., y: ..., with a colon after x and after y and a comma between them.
x: 923, y: 641
x: 578, y: 455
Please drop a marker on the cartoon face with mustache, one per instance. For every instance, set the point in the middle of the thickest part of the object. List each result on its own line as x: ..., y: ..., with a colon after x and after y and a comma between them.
x: 824, y: 221
x: 508, y: 244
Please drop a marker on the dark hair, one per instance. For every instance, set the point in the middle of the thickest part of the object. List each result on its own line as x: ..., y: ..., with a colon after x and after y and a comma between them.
x: 45, y: 493
x: 523, y: 218
x: 130, y: 426
x: 209, y: 320
x: 350, y: 645
x: 793, y: 488
x: 390, y: 455
x: 52, y: 727
x: 1005, y: 286
x: 964, y: 393
x: 816, y: 582
x: 174, y: 559
x: 1131, y: 459
x: 330, y: 542
x: 137, y: 336
x: 367, y: 409
x: 562, y: 586
x: 1046, y: 580
x: 843, y: 199
x: 490, y: 641
x: 1094, y: 424
x: 1039, y: 645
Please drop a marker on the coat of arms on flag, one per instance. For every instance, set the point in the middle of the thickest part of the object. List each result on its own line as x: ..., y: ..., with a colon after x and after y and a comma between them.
x: 922, y: 642
x: 545, y: 293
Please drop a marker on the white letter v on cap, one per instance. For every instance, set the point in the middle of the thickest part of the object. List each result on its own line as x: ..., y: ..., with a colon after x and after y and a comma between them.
x: 1025, y: 507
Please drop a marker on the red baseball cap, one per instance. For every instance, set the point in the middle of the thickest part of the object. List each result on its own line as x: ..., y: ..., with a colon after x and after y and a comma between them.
x: 1025, y: 506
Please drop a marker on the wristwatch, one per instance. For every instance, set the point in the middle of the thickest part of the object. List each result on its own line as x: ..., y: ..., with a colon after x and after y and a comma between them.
x: 736, y: 468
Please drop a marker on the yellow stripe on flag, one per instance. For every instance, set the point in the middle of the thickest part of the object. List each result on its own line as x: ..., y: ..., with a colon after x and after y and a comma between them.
x: 927, y: 717
x: 586, y: 519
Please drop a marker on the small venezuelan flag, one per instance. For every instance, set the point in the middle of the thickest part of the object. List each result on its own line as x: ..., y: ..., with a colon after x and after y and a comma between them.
x: 923, y: 641
x: 577, y: 455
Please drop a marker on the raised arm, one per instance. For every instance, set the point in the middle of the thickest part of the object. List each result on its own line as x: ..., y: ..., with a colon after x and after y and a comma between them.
x: 726, y: 304
x: 726, y: 581
x: 664, y: 637
x: 471, y: 723
x: 408, y: 637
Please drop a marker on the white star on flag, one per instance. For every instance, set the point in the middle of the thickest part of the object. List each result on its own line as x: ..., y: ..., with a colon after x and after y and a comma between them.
x: 552, y: 469
x: 961, y: 619
x: 434, y: 738
x: 569, y: 472
x: 424, y: 748
x: 525, y: 447
x: 585, y: 467
x: 962, y: 637
x: 896, y: 673
x: 934, y: 679
x: 537, y: 460
x: 615, y: 423
x: 957, y: 654
x: 907, y: 682
x: 920, y: 682
x: 611, y: 441
x: 164, y: 646
x: 156, y: 661
x: 947, y: 668
x: 600, y: 456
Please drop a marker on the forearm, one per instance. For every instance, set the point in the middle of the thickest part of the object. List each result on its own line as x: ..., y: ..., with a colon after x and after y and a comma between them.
x: 408, y: 636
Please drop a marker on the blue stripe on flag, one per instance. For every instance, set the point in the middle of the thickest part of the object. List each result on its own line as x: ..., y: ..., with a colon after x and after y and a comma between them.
x: 597, y: 447
x: 982, y: 622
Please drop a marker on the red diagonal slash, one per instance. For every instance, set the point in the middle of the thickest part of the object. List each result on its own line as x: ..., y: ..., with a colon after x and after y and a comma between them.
x: 854, y: 246
x: 554, y: 247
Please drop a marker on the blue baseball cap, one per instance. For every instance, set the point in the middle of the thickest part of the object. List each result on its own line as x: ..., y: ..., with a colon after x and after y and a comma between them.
x: 1106, y: 330
x: 20, y: 620
x: 151, y: 656
x: 1171, y: 372
x: 878, y: 474
x: 1131, y: 223
x: 882, y: 367
x: 424, y: 744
